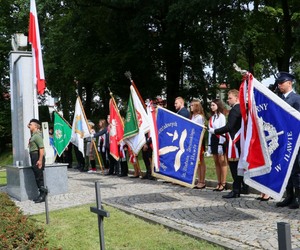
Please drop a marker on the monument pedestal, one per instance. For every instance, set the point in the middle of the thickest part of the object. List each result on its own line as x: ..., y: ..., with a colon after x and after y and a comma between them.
x: 22, y: 186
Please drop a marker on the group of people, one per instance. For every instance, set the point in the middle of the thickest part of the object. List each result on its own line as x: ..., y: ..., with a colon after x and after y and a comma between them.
x: 221, y: 137
x: 222, y: 140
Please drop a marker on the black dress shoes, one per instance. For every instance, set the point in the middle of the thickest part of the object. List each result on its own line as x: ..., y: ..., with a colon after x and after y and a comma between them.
x: 134, y: 176
x: 40, y: 199
x: 232, y: 194
x: 122, y: 175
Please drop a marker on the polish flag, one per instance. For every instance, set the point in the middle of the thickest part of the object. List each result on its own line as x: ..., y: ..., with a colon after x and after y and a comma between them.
x: 34, y: 39
x: 254, y: 149
x: 116, y: 131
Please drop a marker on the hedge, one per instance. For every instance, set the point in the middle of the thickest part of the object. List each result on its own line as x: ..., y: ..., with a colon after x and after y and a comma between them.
x: 16, y: 231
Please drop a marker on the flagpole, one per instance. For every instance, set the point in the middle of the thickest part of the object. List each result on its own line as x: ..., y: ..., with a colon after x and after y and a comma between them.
x: 111, y: 94
x: 128, y: 75
x: 88, y: 125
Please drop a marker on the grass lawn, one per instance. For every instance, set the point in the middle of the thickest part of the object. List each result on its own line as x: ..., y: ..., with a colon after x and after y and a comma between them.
x: 6, y: 158
x: 77, y: 228
x: 3, y: 180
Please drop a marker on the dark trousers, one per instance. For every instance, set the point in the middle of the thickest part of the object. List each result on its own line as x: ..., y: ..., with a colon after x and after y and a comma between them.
x: 237, y: 180
x: 38, y: 172
x: 113, y: 165
x: 69, y: 156
x: 105, y: 161
x: 294, y: 180
x: 79, y: 157
x: 146, y: 155
x: 124, y: 167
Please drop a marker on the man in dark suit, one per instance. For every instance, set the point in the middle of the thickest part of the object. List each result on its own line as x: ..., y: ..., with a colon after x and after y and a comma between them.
x: 233, y: 130
x: 285, y: 86
x: 180, y: 109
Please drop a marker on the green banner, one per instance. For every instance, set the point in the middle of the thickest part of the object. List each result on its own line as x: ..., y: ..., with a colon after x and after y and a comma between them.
x: 62, y: 134
x: 131, y: 123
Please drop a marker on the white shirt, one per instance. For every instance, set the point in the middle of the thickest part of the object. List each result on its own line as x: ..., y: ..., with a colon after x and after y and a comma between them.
x: 198, y: 119
x: 218, y: 121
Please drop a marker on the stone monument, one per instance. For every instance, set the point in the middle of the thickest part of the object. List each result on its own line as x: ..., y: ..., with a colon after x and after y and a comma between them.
x: 20, y: 178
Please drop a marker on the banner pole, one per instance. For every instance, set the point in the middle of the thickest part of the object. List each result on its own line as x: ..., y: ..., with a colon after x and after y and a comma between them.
x: 128, y: 75
x: 88, y: 125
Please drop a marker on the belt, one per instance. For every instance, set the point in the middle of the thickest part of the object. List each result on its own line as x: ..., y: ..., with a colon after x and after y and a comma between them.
x: 34, y: 152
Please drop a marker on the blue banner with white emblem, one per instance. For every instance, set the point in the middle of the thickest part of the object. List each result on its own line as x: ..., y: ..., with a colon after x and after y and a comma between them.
x: 280, y: 125
x: 179, y: 142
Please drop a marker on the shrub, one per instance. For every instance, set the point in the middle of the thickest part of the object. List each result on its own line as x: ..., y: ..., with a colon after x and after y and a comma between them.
x: 16, y: 232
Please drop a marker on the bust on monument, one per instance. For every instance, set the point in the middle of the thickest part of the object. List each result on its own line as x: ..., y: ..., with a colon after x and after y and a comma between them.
x: 19, y: 42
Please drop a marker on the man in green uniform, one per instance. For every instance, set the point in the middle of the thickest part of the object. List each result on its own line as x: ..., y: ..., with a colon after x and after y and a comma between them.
x: 36, y: 149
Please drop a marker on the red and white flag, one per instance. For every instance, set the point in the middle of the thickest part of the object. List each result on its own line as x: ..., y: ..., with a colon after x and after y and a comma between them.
x: 34, y: 39
x: 116, y: 131
x: 253, y: 148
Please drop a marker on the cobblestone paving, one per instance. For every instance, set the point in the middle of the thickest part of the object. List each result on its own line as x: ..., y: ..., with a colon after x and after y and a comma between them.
x: 241, y: 223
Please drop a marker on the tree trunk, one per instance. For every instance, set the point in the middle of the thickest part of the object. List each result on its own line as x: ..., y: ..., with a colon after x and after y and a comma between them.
x: 173, y: 66
x: 284, y: 61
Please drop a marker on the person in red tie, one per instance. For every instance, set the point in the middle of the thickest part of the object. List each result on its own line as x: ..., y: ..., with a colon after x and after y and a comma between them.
x: 233, y: 131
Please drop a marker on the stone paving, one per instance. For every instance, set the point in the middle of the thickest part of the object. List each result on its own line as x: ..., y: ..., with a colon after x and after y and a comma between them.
x: 241, y: 223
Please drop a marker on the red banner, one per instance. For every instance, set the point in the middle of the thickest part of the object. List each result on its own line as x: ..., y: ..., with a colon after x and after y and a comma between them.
x: 116, y: 131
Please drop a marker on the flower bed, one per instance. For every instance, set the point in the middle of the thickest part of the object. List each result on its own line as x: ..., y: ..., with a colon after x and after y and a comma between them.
x: 16, y: 231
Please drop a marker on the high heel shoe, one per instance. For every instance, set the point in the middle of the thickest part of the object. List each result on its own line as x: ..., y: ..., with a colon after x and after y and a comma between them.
x: 196, y: 187
x: 224, y: 187
x: 264, y: 199
x: 217, y: 188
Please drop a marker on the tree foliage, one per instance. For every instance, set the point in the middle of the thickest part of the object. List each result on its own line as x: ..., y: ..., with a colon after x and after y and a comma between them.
x: 171, y: 47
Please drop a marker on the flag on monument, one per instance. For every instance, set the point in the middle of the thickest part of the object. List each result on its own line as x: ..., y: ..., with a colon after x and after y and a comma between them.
x: 136, y: 137
x: 62, y: 134
x: 80, y: 127
x: 116, y: 131
x: 277, y: 125
x: 34, y: 39
x: 179, y: 140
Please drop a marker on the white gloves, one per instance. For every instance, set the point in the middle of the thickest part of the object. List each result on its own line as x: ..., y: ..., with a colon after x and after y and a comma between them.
x: 220, y: 150
x: 211, y: 130
x: 88, y: 136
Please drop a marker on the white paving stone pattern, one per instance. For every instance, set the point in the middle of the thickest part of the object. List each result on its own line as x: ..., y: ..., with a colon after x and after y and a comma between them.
x: 241, y: 223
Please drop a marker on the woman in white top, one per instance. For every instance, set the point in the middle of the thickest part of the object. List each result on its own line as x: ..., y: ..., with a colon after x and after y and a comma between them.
x: 197, y: 116
x: 216, y: 143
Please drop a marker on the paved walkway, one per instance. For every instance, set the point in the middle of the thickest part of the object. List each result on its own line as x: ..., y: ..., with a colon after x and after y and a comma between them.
x: 241, y: 223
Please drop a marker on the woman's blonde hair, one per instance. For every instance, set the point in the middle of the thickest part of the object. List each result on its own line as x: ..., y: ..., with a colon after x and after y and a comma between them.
x: 103, y: 122
x: 198, y: 109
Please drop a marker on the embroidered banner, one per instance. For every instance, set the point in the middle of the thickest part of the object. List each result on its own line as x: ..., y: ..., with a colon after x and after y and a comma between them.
x: 278, y: 124
x: 179, y: 141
